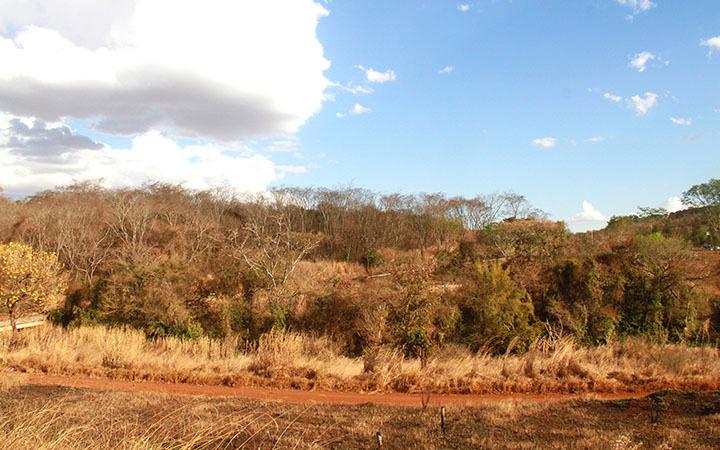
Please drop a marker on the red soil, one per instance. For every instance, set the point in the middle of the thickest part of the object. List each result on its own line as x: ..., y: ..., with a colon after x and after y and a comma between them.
x: 299, y: 396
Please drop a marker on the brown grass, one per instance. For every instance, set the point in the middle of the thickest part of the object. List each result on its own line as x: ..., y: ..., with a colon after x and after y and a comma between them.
x: 305, y: 362
x: 9, y: 381
x: 58, y: 418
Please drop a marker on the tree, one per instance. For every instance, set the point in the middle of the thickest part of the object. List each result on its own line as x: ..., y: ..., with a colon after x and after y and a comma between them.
x: 704, y: 194
x: 649, y: 211
x: 30, y: 280
x: 707, y: 195
x: 661, y: 293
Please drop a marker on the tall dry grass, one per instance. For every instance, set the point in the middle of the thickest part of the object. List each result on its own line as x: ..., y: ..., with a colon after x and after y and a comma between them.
x: 124, y: 421
x: 284, y: 359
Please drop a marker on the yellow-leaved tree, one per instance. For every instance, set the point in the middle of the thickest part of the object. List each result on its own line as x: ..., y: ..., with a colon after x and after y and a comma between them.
x: 31, y: 281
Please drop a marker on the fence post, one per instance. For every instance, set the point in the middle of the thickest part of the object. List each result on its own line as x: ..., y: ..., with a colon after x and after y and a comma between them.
x: 378, y: 437
x: 442, y: 419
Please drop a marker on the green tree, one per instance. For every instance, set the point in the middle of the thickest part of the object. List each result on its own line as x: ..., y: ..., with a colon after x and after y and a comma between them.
x: 704, y: 194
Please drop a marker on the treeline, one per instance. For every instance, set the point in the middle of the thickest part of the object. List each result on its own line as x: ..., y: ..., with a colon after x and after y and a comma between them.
x: 418, y: 272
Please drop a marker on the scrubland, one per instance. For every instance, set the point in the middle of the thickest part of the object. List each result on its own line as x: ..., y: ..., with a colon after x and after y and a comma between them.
x: 354, y: 290
x: 301, y: 361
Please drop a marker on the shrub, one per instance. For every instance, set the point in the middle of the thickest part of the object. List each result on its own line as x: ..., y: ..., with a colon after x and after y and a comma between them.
x: 495, y: 313
x: 370, y: 260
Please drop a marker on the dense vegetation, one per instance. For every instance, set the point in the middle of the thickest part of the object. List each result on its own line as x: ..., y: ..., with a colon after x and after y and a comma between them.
x: 415, y: 272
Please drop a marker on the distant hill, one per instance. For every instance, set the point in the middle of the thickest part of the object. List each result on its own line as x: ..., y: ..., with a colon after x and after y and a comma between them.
x: 697, y: 225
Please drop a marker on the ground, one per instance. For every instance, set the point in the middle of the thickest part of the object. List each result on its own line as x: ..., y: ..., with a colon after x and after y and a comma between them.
x: 51, y: 416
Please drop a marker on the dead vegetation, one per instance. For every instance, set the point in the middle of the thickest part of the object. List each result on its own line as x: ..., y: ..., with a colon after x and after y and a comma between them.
x: 302, y: 361
x: 59, y: 418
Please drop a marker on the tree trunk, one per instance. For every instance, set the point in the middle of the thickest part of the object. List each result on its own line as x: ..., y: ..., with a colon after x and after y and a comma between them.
x: 13, y: 319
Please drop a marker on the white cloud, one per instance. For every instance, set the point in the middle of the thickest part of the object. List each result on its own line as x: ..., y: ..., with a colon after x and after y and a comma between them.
x: 673, y: 204
x: 637, y: 6
x: 596, y: 139
x: 681, y: 121
x: 359, y: 109
x: 639, y: 61
x: 340, y: 115
x: 219, y: 69
x: 374, y: 76
x: 587, y: 219
x: 354, y: 88
x: 151, y: 157
x: 284, y: 168
x: 643, y: 104
x: 544, y: 142
x: 446, y: 70
x: 463, y: 7
x: 286, y: 145
x: 712, y: 43
x: 612, y: 97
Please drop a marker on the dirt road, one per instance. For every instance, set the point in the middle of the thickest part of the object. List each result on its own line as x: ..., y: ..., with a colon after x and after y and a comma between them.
x: 298, y: 396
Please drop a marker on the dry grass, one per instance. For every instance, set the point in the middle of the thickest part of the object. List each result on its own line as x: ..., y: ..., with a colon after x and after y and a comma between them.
x: 306, y: 362
x: 9, y: 381
x: 58, y: 418
x: 123, y: 421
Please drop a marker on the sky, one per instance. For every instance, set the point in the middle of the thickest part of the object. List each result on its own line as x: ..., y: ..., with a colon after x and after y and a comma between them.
x: 589, y: 108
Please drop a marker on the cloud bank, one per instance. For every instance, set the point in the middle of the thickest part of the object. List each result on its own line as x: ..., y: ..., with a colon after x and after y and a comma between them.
x: 221, y: 73
x: 150, y: 157
x: 219, y: 69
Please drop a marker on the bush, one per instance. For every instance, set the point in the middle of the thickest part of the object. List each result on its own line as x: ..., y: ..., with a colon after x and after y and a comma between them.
x: 495, y: 314
x: 370, y: 260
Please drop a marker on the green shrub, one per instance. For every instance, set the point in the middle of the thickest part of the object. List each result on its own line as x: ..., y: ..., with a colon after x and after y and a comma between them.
x: 495, y: 312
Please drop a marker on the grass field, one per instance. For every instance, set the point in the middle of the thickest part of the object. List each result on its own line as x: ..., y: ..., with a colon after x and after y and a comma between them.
x: 39, y: 417
x: 306, y: 362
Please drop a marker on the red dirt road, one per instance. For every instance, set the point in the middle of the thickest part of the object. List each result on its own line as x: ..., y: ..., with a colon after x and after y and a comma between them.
x: 298, y: 396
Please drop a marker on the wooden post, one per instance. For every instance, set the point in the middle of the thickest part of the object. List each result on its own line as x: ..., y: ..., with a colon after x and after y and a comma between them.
x: 13, y: 319
x: 378, y: 437
x: 442, y: 418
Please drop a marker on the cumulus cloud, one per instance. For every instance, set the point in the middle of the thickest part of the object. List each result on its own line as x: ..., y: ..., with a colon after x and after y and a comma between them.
x: 220, y: 69
x: 587, y: 219
x: 374, y: 76
x: 612, y: 97
x: 681, y: 121
x: 637, y: 6
x: 544, y: 142
x: 463, y: 7
x: 673, y: 204
x: 596, y: 139
x: 639, y: 61
x: 712, y: 43
x: 445, y: 70
x: 643, y: 104
x: 38, y: 140
x: 151, y: 157
x: 110, y: 22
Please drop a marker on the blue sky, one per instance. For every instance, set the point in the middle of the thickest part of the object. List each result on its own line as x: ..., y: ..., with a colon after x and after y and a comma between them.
x: 589, y: 108
x: 522, y: 70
